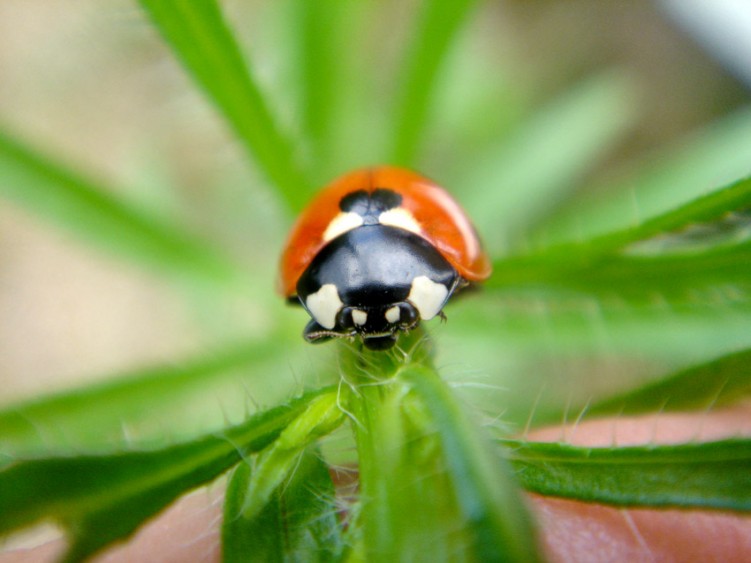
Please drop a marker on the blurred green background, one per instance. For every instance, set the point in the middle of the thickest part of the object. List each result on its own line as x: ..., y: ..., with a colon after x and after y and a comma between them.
x: 539, y: 105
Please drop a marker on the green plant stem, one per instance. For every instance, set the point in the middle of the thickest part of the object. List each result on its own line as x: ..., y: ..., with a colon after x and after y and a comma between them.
x: 430, y: 484
x: 375, y: 414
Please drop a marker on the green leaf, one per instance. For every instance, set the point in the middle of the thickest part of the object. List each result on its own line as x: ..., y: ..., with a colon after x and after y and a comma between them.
x: 614, y: 295
x: 299, y: 523
x: 716, y: 275
x: 713, y: 208
x: 719, y: 382
x: 275, y: 463
x: 52, y: 190
x: 437, y: 25
x: 94, y: 417
x: 101, y: 499
x: 716, y: 155
x: 207, y: 48
x: 486, y: 492
x: 713, y: 475
x: 320, y: 29
x: 594, y: 266
x: 516, y: 181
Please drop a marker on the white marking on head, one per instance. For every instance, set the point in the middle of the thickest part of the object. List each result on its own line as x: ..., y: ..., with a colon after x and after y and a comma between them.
x: 401, y: 218
x: 324, y: 304
x: 393, y: 315
x: 359, y: 317
x: 343, y: 222
x: 427, y: 296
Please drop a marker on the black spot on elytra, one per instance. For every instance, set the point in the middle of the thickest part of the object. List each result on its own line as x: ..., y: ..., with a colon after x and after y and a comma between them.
x: 370, y: 206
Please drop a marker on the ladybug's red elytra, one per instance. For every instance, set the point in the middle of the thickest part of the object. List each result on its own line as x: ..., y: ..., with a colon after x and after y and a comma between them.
x: 376, y: 252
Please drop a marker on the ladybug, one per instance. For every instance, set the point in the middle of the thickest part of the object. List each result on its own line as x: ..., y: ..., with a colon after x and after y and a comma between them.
x: 376, y: 252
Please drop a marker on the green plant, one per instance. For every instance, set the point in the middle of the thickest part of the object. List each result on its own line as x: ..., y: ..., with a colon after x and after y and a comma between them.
x: 433, y: 484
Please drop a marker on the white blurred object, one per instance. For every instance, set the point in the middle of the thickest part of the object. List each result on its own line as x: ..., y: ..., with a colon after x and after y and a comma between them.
x: 722, y: 26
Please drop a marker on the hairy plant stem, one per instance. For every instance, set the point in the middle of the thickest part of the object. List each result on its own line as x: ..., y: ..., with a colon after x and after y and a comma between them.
x: 431, y: 485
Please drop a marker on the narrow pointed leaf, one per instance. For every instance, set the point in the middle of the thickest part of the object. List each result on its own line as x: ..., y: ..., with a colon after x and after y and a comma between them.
x: 716, y: 155
x: 680, y: 278
x: 713, y: 475
x: 593, y: 265
x: 437, y: 25
x: 206, y: 46
x: 93, y: 418
x: 720, y: 382
x: 52, y: 190
x: 102, y: 499
x: 274, y: 464
x: 320, y: 27
x: 712, y: 209
x: 299, y: 523
x: 710, y: 262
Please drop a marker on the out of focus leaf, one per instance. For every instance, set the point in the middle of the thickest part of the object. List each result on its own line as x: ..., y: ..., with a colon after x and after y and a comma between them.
x: 712, y: 209
x: 713, y: 475
x: 670, y: 279
x: 321, y: 30
x: 720, y: 382
x: 437, y: 25
x: 511, y: 185
x: 714, y: 156
x: 541, y: 358
x: 96, y: 417
x: 607, y: 265
x: 52, y: 190
x: 207, y: 47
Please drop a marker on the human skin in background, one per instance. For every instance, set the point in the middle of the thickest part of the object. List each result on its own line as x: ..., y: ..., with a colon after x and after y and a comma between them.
x: 569, y: 530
